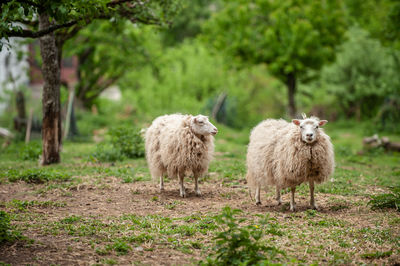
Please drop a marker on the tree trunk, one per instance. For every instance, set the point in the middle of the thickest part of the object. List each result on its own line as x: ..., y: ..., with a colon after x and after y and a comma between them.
x: 291, y: 85
x: 51, y: 126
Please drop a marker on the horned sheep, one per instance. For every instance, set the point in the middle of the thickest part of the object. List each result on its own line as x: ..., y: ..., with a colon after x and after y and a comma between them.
x: 179, y: 145
x: 284, y: 155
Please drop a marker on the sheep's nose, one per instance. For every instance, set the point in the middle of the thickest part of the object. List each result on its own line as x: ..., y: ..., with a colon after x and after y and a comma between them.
x: 215, y: 131
x: 309, y: 135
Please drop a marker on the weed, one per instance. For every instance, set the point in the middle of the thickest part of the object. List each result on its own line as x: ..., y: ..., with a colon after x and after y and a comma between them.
x: 240, y: 245
x: 6, y: 232
x: 23, y: 205
x: 386, y: 200
x: 121, y: 247
x: 71, y: 219
x: 377, y: 255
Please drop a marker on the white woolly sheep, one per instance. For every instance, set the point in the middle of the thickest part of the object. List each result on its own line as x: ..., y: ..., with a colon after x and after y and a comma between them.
x: 178, y: 145
x: 286, y: 154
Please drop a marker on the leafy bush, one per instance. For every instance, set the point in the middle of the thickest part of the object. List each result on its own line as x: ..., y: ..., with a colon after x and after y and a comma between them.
x: 386, y: 200
x: 37, y: 175
x: 31, y: 151
x: 123, y: 142
x: 242, y: 245
x: 105, y: 152
x: 127, y: 140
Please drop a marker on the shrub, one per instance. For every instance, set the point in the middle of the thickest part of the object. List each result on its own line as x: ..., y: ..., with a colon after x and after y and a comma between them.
x: 128, y: 140
x: 386, y: 200
x: 123, y: 142
x: 105, y: 152
x: 242, y: 245
x: 31, y: 151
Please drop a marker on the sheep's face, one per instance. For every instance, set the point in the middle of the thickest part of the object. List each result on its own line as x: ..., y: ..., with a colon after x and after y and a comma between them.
x: 309, y: 128
x: 201, y: 126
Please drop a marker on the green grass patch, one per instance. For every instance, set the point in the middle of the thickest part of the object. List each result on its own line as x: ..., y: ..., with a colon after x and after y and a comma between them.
x: 37, y: 175
x: 377, y: 255
x: 386, y: 200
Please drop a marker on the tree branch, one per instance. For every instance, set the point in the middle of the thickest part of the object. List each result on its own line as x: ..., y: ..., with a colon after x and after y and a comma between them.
x: 127, y: 13
x: 37, y: 34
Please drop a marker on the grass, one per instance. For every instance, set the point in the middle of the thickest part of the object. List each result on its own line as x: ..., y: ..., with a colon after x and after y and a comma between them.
x: 112, y: 213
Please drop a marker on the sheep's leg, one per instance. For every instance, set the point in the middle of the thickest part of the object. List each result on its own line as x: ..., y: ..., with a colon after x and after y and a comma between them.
x: 312, y: 200
x: 292, y: 203
x: 181, y: 186
x: 278, y: 195
x: 161, y: 183
x: 196, y: 186
x: 257, y: 196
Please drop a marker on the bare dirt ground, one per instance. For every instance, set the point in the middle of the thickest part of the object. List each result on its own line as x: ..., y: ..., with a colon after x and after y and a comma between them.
x: 345, y: 216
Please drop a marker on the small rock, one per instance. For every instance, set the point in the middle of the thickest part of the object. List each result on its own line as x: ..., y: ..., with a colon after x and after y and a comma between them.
x: 139, y: 248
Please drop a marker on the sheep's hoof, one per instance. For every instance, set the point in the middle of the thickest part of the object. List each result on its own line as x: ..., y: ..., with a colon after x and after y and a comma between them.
x: 258, y: 203
x: 314, y: 207
x: 293, y: 208
x: 162, y: 189
x: 183, y: 194
x: 198, y: 193
x: 279, y: 203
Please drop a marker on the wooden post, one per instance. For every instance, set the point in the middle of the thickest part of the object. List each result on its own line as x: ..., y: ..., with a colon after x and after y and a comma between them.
x: 29, y: 126
x: 69, y: 109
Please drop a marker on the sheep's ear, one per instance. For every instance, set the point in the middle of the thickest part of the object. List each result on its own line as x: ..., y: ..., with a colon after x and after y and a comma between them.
x: 296, y: 122
x: 194, y: 119
x: 322, y: 122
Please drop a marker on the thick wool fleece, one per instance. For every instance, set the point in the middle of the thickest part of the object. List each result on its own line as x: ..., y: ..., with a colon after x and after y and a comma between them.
x: 277, y: 156
x: 173, y: 149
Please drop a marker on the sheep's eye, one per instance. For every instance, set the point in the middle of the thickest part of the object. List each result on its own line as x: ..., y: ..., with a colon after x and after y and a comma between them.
x: 316, y: 127
x: 301, y: 126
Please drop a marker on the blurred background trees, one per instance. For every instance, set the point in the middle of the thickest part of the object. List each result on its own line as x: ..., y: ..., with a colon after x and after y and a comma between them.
x: 242, y: 60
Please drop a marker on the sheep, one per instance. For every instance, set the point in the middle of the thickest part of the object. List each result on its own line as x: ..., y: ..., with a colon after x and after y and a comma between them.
x: 179, y: 145
x: 286, y: 154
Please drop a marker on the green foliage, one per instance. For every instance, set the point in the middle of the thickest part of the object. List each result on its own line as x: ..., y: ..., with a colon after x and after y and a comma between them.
x: 4, y: 226
x: 121, y: 247
x: 291, y: 36
x: 362, y: 76
x: 23, y: 205
x: 242, y: 245
x: 123, y: 142
x: 377, y: 255
x: 105, y: 152
x: 6, y: 232
x: 386, y: 200
x: 106, y: 51
x: 37, y: 175
x: 128, y: 140
x: 189, y: 21
x: 31, y: 151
